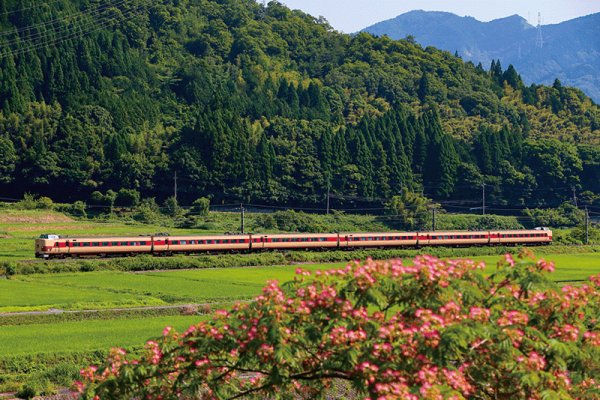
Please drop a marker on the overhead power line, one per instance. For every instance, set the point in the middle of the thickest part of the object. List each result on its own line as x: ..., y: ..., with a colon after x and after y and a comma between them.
x: 35, y: 4
x: 98, y: 25
x: 59, y: 19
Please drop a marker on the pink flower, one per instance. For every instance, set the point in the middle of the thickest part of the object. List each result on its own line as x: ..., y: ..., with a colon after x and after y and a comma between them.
x: 513, y: 318
x: 479, y: 314
x: 545, y: 266
x: 568, y: 333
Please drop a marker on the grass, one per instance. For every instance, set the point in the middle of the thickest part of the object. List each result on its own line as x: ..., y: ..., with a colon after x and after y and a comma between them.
x: 22, y: 295
x: 87, y: 335
x: 38, y: 347
x: 109, y: 289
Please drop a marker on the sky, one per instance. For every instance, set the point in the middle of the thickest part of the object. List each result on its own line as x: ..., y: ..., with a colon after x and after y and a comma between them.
x: 353, y: 15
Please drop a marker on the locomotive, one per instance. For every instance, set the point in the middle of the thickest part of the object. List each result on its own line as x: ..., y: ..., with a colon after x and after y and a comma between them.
x: 54, y: 246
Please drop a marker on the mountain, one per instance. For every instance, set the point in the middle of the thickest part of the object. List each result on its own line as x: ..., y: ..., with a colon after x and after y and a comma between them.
x: 570, y: 51
x: 105, y: 101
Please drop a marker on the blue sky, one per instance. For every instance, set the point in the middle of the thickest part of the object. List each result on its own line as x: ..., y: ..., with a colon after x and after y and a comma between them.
x: 352, y: 15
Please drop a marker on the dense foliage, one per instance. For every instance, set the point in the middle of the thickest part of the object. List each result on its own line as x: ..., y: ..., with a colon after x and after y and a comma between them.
x: 436, y: 329
x: 260, y: 103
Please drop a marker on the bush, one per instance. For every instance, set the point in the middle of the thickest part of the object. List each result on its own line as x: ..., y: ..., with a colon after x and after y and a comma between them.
x: 28, y: 202
x: 567, y: 215
x: 127, y: 198
x: 78, y: 209
x: 201, y: 206
x: 171, y: 208
x: 44, y: 203
x: 436, y: 329
x: 26, y: 392
x: 147, y: 211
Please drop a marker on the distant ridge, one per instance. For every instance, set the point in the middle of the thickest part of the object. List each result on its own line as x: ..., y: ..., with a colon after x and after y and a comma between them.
x: 571, y: 49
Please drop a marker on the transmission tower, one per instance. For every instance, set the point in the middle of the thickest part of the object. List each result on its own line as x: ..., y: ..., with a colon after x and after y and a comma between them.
x: 539, y: 42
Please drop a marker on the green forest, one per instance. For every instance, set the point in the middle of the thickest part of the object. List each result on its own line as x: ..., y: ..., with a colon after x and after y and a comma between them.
x: 258, y: 103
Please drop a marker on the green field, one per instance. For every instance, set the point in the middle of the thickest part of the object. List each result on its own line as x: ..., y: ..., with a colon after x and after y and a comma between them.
x: 86, y: 335
x: 32, y: 346
x: 110, y: 289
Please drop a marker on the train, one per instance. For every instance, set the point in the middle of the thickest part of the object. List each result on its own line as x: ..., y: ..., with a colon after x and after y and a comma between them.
x: 55, y: 246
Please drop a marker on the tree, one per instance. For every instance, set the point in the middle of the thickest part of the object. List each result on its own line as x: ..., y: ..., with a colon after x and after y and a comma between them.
x: 127, y: 198
x: 201, y: 206
x: 171, y: 207
x: 412, y: 209
x: 8, y: 160
x: 434, y: 329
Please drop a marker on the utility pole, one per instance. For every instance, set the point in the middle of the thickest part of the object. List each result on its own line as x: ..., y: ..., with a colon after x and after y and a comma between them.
x: 587, y: 226
x: 242, y: 218
x: 483, y: 199
x: 574, y: 196
x: 175, y: 186
x: 433, y: 219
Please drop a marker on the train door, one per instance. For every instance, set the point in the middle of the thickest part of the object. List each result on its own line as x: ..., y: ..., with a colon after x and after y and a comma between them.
x: 345, y: 241
x: 258, y: 242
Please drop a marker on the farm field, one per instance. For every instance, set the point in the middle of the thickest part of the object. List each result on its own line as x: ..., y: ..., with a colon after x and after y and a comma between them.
x: 111, y: 289
x: 47, y: 340
x: 86, y: 335
x: 38, y: 342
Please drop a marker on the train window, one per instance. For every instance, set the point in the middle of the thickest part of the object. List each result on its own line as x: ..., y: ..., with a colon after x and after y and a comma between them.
x: 86, y: 244
x: 114, y: 243
x: 95, y: 244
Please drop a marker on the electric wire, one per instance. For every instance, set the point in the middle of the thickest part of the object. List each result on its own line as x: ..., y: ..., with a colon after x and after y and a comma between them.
x: 75, y: 35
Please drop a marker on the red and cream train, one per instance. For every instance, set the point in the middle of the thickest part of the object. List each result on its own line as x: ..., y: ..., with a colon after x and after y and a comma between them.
x: 54, y: 246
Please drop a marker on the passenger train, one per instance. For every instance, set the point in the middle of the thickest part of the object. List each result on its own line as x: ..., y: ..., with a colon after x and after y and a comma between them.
x: 55, y: 246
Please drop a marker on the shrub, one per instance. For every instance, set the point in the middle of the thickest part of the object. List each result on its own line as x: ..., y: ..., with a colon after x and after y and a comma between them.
x: 189, y: 309
x: 436, y: 329
x: 26, y: 392
x: 201, y: 206
x: 78, y: 209
x: 28, y: 202
x: 44, y: 203
x: 566, y: 215
x: 171, y: 208
x: 147, y: 211
x: 127, y: 198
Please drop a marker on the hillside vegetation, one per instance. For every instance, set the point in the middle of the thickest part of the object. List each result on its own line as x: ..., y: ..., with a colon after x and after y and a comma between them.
x: 268, y: 105
x: 566, y: 50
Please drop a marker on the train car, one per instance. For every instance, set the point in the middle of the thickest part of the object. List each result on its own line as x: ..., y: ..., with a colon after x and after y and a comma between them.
x: 54, y: 246
x: 165, y: 245
x: 378, y: 239
x: 296, y: 241
x: 527, y: 237
x: 454, y: 238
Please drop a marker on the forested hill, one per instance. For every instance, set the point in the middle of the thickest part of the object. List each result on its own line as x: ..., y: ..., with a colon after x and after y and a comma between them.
x: 569, y: 50
x: 264, y: 104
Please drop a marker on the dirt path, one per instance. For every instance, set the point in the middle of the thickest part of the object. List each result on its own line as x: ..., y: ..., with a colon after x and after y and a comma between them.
x: 54, y: 311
